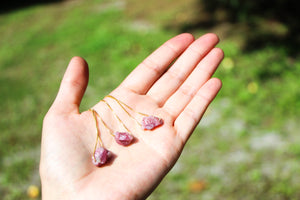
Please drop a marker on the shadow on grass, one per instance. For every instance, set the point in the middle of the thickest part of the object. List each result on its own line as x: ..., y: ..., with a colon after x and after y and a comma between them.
x: 268, y: 24
x: 11, y: 5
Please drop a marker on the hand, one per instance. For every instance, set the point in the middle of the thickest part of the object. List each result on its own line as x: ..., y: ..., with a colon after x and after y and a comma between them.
x: 178, y: 94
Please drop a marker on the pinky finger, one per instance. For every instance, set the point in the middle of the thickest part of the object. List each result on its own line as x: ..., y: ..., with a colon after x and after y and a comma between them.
x: 193, y: 112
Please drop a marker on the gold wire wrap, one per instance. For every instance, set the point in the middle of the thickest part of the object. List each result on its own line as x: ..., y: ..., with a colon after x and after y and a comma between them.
x: 98, y: 139
x: 106, y: 126
x: 116, y: 116
x: 122, y: 104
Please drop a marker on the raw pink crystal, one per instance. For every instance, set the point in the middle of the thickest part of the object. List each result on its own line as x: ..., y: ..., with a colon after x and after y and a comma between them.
x: 100, y: 156
x: 151, y: 122
x: 123, y: 138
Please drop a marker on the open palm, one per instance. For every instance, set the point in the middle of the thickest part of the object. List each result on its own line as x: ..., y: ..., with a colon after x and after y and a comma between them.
x: 178, y: 92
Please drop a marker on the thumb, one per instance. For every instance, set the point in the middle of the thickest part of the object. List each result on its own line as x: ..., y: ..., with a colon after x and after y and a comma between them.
x: 72, y: 87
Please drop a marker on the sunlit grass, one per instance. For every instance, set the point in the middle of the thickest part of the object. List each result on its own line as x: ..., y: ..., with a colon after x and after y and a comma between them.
x: 35, y: 48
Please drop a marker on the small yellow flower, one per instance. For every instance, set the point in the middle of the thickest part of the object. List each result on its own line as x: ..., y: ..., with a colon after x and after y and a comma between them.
x: 33, y: 191
x: 228, y: 64
x: 252, y: 87
x: 197, y: 186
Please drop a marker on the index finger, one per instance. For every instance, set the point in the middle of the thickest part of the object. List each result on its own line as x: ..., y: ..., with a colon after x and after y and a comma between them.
x: 145, y: 74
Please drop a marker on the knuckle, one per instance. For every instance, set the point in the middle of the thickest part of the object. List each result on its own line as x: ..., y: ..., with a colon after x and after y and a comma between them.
x: 187, y: 90
x: 191, y: 115
x: 176, y: 75
x: 150, y: 64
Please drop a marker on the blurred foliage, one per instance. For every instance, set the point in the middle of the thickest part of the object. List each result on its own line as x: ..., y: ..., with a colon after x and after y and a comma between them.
x: 11, y: 5
x: 274, y: 23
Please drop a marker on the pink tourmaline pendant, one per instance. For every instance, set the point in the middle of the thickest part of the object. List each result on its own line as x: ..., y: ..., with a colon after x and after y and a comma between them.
x: 151, y: 122
x: 123, y: 138
x: 101, y: 156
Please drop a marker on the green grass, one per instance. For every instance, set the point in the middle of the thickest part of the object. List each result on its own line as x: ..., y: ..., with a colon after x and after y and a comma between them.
x: 246, y: 147
x: 36, y: 46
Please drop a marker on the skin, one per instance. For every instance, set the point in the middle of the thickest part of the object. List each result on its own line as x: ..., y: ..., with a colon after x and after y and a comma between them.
x: 179, y: 94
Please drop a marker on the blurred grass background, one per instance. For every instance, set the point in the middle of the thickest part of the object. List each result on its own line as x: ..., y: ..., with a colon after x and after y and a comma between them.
x: 248, y: 144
